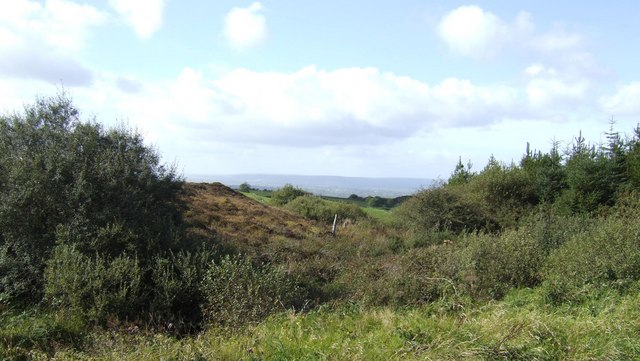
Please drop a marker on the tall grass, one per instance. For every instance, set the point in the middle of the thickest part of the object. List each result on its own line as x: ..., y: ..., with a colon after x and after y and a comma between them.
x: 520, y: 327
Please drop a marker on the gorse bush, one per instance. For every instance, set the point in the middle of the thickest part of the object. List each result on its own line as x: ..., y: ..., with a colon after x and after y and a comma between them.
x: 176, y: 289
x: 101, y: 288
x: 511, y: 259
x: 98, y: 190
x: 286, y: 194
x: 443, y: 209
x: 322, y: 210
x: 237, y: 292
x: 96, y: 287
x: 607, y: 255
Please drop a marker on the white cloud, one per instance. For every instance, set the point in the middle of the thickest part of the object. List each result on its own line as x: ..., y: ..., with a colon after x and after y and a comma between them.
x: 557, y: 40
x: 245, y: 27
x: 40, y: 40
x: 474, y: 32
x: 626, y: 100
x: 547, y: 86
x: 311, y: 107
x: 471, y: 31
x: 245, y: 116
x: 58, y: 24
x: 144, y: 16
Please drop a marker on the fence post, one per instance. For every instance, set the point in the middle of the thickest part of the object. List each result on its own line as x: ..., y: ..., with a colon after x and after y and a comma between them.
x: 335, y: 220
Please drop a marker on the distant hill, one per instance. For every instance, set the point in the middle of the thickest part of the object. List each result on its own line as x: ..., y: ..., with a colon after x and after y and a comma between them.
x: 323, y: 185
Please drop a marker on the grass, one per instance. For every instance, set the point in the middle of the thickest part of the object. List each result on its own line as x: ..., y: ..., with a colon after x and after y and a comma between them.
x: 380, y: 214
x: 520, y: 327
x: 39, y: 333
x: 263, y: 197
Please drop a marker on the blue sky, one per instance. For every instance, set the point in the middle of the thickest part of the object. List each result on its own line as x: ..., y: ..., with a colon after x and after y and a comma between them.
x: 359, y: 88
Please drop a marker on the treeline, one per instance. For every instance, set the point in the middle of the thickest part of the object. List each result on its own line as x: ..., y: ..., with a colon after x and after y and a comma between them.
x: 583, y: 179
x: 566, y: 220
x: 378, y: 202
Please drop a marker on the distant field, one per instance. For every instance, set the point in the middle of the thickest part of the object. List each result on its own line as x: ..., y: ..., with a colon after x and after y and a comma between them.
x: 379, y: 213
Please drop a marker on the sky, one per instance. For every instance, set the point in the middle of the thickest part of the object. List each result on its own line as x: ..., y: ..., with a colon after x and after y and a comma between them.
x: 351, y: 88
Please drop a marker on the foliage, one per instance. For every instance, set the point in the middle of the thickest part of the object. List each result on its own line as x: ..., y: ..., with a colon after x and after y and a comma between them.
x: 512, y: 259
x: 244, y: 187
x: 443, y: 209
x: 461, y: 174
x: 286, y: 194
x: 100, y: 190
x: 322, y: 210
x: 507, y: 192
x: 176, y: 291
x: 96, y: 287
x: 238, y: 292
x: 547, y: 173
x: 605, y: 255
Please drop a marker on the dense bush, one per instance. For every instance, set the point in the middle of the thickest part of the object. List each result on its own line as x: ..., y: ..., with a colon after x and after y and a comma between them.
x: 176, y: 289
x: 286, y: 194
x: 101, y: 288
x: 322, y: 210
x: 96, y: 287
x: 237, y: 292
x: 507, y: 192
x: 444, y: 209
x: 608, y: 254
x: 99, y: 190
x: 511, y: 259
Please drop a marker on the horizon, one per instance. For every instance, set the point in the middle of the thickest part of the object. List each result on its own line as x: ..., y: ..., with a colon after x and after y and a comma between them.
x: 358, y: 89
x: 334, y: 186
x: 295, y: 175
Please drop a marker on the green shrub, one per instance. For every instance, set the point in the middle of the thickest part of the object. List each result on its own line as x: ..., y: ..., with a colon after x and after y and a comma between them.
x: 608, y: 254
x: 104, y: 189
x: 507, y: 192
x: 237, y: 292
x: 177, y: 294
x: 512, y: 259
x: 244, y: 187
x: 444, y: 209
x: 97, y: 287
x: 322, y: 210
x: 419, y: 276
x: 286, y: 194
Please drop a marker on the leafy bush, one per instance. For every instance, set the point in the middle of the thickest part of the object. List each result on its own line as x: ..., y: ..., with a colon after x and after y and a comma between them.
x: 286, y: 194
x: 606, y: 255
x: 245, y: 187
x: 512, y: 259
x: 322, y: 210
x: 507, y: 192
x: 418, y: 276
x: 176, y: 294
x: 237, y: 292
x: 443, y: 209
x: 96, y: 287
x: 103, y: 189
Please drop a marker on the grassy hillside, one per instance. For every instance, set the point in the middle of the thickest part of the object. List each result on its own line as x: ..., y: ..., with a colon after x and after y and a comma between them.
x: 216, y: 212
